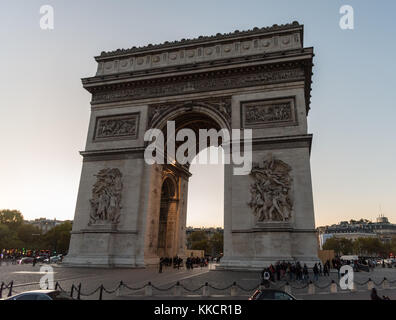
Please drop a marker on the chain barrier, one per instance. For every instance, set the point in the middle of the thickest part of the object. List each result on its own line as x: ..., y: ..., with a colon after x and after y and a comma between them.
x: 299, y: 288
x: 93, y: 292
x: 379, y: 284
x: 363, y: 283
x: 164, y: 289
x: 4, y: 286
x: 320, y: 287
x: 133, y: 289
x: 112, y: 291
x: 246, y: 290
x: 101, y: 288
x: 61, y: 289
x: 192, y: 290
x: 221, y: 289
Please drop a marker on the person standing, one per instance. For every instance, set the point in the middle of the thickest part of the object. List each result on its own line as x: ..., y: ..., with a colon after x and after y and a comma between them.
x: 316, y: 272
x: 374, y: 295
x: 160, y: 265
x: 305, y: 273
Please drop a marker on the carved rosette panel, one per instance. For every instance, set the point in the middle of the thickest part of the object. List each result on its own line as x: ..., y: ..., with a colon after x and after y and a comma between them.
x: 268, y: 113
x: 106, y: 197
x: 270, y: 192
x: 219, y: 105
x: 121, y: 126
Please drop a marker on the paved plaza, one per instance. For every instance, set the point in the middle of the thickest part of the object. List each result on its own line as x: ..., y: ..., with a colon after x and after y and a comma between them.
x: 27, y: 277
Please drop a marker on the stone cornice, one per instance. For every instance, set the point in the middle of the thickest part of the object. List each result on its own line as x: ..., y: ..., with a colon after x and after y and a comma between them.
x: 250, y: 75
x: 275, y: 29
x: 225, y: 63
x: 113, y: 154
x: 296, y: 141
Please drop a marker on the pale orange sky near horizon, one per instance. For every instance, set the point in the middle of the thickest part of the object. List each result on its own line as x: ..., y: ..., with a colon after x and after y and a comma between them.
x: 44, y: 110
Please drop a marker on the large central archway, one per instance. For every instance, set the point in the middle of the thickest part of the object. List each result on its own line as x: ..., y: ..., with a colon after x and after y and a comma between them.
x: 167, y: 227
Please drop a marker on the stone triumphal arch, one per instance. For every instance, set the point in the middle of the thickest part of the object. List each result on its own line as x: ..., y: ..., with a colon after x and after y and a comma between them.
x: 129, y: 213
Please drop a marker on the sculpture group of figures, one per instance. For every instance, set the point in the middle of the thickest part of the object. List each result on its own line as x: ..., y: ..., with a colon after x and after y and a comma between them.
x: 116, y: 127
x: 268, y: 113
x: 270, y: 192
x: 106, y: 196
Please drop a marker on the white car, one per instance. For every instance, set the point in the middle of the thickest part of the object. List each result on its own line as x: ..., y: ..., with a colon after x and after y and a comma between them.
x: 54, y: 259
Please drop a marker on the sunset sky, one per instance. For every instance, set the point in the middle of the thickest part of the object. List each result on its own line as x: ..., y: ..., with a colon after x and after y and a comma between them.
x: 44, y: 111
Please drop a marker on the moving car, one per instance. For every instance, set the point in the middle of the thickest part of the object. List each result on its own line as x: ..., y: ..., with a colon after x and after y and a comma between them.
x: 40, y: 295
x: 271, y: 294
x: 25, y: 260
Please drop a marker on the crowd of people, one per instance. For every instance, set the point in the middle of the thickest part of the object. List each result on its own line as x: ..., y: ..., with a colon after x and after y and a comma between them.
x: 177, y: 262
x: 291, y: 271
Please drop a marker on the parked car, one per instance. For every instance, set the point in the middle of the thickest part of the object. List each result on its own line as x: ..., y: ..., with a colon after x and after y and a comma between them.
x: 54, y: 259
x: 271, y: 294
x: 25, y: 260
x: 40, y: 295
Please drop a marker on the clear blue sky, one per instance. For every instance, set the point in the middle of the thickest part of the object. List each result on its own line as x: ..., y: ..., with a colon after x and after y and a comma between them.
x: 44, y: 110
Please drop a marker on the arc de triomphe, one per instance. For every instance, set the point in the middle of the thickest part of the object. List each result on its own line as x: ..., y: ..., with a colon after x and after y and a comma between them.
x: 130, y: 213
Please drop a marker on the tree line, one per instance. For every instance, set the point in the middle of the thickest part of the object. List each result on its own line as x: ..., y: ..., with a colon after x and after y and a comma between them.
x: 199, y: 240
x: 17, y: 234
x: 361, y: 246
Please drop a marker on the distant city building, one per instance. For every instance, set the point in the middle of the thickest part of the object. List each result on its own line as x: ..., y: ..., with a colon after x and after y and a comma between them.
x: 382, y: 229
x: 44, y: 224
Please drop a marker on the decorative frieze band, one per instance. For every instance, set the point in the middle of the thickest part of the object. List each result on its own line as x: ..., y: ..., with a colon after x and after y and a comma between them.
x: 120, y: 126
x: 203, y: 83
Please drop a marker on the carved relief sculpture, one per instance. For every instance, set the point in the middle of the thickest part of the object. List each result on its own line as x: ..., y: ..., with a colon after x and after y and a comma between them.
x: 117, y: 126
x: 268, y: 113
x: 270, y: 191
x: 106, y: 197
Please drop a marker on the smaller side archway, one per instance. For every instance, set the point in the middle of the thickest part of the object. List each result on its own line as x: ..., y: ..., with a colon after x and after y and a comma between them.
x: 167, y: 243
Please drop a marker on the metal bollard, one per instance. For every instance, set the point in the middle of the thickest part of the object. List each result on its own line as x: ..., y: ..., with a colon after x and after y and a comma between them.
x: 72, y: 291
x: 287, y: 288
x: 234, y: 290
x: 206, y: 290
x: 311, y: 288
x: 119, y: 289
x: 333, y: 287
x: 148, y: 290
x: 370, y: 284
x: 177, y: 290
x: 10, y: 288
x: 79, y: 292
x: 1, y: 290
x: 101, y: 292
x: 385, y: 284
